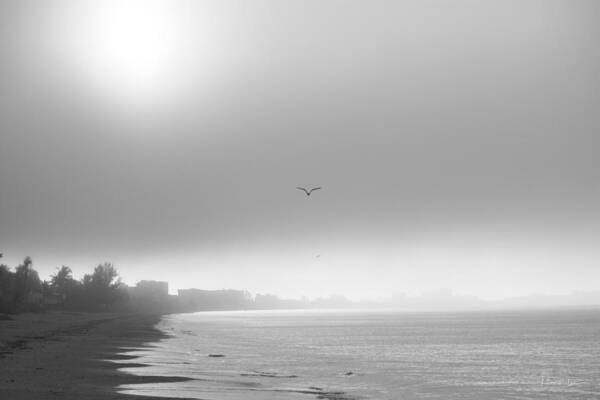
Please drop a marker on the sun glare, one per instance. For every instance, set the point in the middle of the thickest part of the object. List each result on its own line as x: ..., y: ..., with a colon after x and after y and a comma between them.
x: 132, y: 45
x: 133, y: 49
x: 137, y: 52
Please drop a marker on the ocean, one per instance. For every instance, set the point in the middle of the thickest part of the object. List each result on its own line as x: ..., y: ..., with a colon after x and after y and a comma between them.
x: 390, y: 355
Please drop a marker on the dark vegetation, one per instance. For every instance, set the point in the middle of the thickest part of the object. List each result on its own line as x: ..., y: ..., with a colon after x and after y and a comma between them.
x: 22, y: 289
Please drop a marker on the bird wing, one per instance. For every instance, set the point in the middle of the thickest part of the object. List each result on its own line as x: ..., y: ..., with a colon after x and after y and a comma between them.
x: 317, y: 188
x: 303, y: 189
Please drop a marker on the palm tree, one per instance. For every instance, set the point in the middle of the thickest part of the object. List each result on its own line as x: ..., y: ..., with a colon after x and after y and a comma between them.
x: 27, y: 281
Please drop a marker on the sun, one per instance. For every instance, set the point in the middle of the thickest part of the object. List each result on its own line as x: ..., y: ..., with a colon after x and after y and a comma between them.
x: 136, y: 52
x: 132, y: 44
x: 132, y: 49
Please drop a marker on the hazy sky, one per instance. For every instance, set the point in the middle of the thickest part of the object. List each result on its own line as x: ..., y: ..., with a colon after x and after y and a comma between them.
x: 456, y: 142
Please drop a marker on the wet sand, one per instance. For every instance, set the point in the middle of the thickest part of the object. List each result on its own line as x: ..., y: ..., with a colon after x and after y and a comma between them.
x: 60, y: 355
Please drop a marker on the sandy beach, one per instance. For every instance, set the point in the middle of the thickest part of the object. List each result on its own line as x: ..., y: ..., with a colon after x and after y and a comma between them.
x: 61, y: 355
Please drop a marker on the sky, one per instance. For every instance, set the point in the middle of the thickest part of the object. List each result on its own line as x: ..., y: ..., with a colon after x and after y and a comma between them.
x: 456, y: 143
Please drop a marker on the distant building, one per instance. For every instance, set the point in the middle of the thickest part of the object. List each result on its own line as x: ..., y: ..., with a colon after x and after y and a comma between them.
x: 150, y: 295
x: 152, y: 289
x: 199, y: 300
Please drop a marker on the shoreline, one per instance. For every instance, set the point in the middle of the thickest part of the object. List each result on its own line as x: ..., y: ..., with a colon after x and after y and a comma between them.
x: 63, y: 355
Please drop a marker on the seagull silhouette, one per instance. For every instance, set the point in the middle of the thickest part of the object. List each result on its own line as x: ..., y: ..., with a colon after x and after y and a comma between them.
x: 308, y: 192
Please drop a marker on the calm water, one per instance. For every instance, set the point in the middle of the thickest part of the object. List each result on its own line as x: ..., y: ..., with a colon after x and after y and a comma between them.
x: 377, y: 355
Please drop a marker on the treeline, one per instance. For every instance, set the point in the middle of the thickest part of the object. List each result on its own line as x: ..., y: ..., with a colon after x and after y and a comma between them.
x: 22, y: 290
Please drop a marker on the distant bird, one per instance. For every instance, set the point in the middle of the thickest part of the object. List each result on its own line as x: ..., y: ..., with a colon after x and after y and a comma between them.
x: 308, y: 192
x: 1, y: 255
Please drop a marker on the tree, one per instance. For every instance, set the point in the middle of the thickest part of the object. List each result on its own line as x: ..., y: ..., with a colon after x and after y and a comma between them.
x: 62, y: 283
x: 106, y: 275
x: 102, y: 286
x: 7, y: 289
x: 27, y: 281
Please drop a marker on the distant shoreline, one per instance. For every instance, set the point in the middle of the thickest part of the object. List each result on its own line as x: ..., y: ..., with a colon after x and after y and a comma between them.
x: 62, y: 355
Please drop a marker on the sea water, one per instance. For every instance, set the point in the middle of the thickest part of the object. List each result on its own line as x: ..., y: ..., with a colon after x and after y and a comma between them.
x: 376, y: 355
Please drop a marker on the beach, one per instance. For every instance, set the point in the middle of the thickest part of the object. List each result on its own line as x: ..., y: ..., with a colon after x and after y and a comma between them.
x: 301, y: 355
x: 61, y: 355
x: 375, y: 354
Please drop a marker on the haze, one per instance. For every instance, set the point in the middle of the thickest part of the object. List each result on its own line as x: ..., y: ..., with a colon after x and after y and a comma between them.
x: 456, y: 143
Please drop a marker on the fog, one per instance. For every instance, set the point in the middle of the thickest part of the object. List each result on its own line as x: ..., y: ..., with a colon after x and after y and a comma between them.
x: 455, y: 143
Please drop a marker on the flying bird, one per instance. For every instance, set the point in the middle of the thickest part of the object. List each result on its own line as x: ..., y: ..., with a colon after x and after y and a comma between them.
x: 308, y: 192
